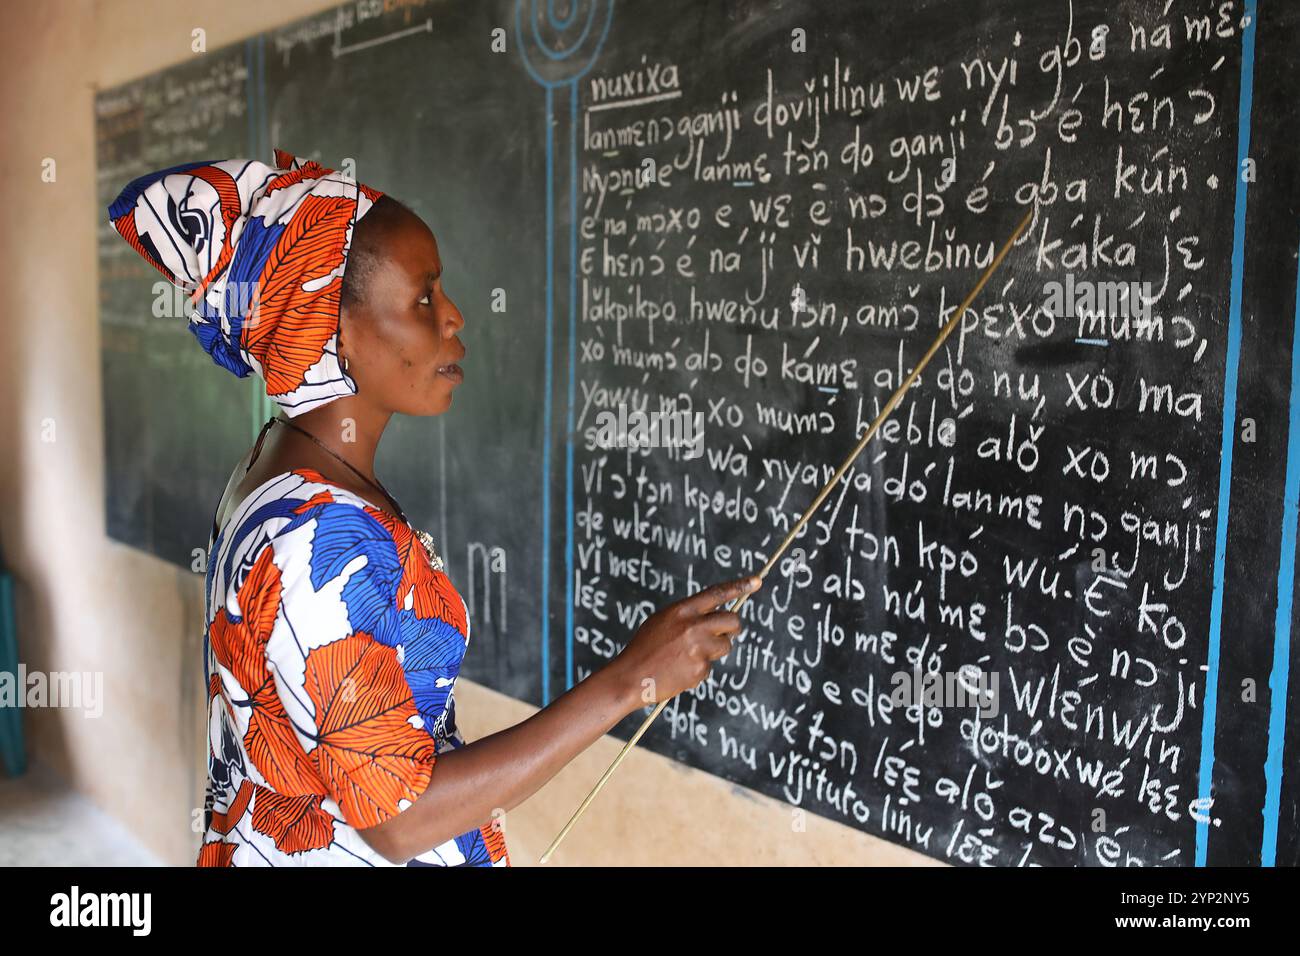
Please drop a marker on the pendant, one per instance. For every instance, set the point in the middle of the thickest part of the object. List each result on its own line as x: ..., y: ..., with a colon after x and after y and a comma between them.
x: 426, y: 542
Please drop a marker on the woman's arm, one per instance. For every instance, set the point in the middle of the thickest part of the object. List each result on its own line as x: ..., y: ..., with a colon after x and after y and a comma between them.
x: 671, y: 652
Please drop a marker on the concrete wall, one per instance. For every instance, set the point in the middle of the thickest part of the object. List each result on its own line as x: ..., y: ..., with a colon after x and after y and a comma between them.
x: 86, y: 603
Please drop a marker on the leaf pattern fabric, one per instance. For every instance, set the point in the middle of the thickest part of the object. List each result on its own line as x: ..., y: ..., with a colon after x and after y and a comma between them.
x: 332, y: 648
x: 261, y: 249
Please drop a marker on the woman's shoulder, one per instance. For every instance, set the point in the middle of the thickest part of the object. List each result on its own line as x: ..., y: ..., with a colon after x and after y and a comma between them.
x: 288, y: 499
x: 299, y: 520
x: 329, y: 526
x: 313, y: 529
x: 332, y: 526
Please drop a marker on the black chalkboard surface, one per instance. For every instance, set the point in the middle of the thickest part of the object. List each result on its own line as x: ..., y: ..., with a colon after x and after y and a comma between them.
x: 1046, y: 618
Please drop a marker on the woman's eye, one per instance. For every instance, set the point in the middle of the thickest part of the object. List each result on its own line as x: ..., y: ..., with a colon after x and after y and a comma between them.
x: 428, y: 299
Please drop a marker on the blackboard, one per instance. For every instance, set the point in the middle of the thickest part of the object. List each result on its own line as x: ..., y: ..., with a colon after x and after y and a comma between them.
x: 760, y: 213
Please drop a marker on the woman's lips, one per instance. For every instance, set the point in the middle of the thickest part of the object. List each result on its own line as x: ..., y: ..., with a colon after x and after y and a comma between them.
x: 453, y: 372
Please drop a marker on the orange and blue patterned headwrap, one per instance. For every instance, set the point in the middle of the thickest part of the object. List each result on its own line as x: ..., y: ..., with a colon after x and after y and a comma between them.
x: 261, y: 251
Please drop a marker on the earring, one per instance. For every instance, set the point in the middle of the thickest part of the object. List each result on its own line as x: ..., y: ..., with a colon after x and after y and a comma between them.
x: 345, y: 363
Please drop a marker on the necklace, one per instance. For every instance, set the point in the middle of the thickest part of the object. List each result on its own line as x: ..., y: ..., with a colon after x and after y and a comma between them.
x: 425, y: 539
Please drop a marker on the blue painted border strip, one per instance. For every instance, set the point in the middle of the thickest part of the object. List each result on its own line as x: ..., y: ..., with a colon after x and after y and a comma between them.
x: 1277, y: 681
x: 546, y: 401
x: 1210, y: 714
x: 573, y: 363
x: 549, y: 85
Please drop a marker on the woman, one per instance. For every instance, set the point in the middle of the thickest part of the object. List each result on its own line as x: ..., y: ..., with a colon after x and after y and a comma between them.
x: 333, y: 636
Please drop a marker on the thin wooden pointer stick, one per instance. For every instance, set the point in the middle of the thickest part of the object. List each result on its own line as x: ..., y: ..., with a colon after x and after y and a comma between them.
x: 812, y: 508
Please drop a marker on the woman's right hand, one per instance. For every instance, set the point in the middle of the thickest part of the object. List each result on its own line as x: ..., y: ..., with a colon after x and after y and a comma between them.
x: 674, y: 649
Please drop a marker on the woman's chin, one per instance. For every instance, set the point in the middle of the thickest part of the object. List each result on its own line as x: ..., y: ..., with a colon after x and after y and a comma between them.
x: 440, y: 401
x: 437, y: 396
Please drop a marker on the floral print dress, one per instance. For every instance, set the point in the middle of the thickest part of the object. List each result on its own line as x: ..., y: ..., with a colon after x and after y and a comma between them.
x: 332, y: 649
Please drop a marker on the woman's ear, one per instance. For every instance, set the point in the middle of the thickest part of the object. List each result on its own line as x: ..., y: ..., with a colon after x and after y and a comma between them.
x: 347, y: 320
x: 338, y: 346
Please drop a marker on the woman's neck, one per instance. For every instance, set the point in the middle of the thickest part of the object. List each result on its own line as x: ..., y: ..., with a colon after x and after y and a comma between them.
x: 344, y: 436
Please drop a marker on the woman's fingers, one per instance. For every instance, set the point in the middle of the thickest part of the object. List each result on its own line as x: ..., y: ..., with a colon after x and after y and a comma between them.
x: 717, y: 648
x: 719, y: 623
x: 715, y: 632
x: 710, y: 598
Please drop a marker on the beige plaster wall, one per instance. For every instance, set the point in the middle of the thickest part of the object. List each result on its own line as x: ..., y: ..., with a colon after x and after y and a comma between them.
x: 86, y: 603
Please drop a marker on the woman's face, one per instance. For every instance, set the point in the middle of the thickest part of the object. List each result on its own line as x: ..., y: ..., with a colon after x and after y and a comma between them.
x: 401, y: 342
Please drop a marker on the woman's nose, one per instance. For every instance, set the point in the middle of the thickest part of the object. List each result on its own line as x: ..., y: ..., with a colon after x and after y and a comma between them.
x: 456, y: 321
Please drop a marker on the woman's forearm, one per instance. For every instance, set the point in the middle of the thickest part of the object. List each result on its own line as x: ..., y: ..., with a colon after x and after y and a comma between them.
x: 501, y: 771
